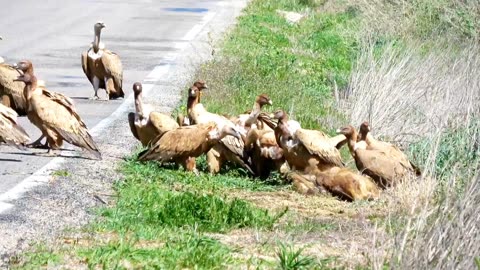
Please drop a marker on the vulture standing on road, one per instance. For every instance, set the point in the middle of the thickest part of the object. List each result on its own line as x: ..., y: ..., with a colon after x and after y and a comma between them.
x: 146, y: 125
x: 181, y: 144
x: 383, y: 167
x: 306, y: 149
x: 103, y: 67
x: 54, y: 114
x: 11, y: 92
x: 10, y: 131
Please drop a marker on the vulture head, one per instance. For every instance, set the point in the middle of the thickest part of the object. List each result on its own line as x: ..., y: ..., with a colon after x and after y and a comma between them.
x: 263, y: 100
x: 201, y: 85
x: 25, y: 66
x: 98, y: 27
x: 137, y: 88
x: 280, y: 115
x: 348, y: 131
x: 193, y: 92
x: 364, y: 129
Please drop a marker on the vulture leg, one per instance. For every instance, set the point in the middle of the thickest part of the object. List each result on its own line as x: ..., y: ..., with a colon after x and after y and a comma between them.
x: 38, y: 143
x: 109, y: 87
x: 213, y: 161
x: 96, y: 85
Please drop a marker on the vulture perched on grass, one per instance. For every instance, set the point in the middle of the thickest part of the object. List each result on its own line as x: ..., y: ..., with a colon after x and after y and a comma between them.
x: 181, y: 144
x: 374, y: 144
x: 11, y: 92
x: 186, y: 121
x: 227, y: 149
x: 54, y: 114
x: 146, y: 125
x: 383, y: 167
x: 10, y: 131
x: 306, y: 149
x: 102, y: 67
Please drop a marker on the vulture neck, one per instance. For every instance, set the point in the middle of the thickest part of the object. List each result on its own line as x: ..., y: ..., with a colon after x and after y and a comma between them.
x: 252, y: 118
x: 96, y: 40
x: 139, y: 105
x: 191, y: 102
x: 352, y: 140
x: 29, y: 88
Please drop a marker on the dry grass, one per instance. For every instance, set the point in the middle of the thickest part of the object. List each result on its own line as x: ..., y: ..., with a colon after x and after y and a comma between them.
x: 412, y: 97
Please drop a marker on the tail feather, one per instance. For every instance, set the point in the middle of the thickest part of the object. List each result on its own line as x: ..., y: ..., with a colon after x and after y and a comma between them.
x: 83, y: 140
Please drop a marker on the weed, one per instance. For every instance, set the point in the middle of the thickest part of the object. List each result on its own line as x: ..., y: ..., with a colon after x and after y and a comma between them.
x: 61, y: 173
x: 291, y: 259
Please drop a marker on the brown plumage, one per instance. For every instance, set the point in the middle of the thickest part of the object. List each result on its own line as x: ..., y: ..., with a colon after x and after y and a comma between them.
x: 264, y: 151
x: 183, y: 143
x: 146, y: 126
x: 102, y: 67
x: 340, y: 182
x: 246, y: 120
x: 304, y: 148
x: 392, y: 150
x: 11, y: 92
x: 228, y: 149
x: 10, y: 132
x: 385, y: 169
x: 200, y: 85
x: 54, y: 114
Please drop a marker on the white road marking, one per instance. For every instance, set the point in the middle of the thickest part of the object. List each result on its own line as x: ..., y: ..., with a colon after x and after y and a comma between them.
x: 43, y: 175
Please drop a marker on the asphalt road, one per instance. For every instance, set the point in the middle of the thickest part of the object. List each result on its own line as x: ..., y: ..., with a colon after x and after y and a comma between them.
x: 53, y: 34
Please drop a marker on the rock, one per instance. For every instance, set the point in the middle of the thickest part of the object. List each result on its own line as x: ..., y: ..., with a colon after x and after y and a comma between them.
x: 291, y: 17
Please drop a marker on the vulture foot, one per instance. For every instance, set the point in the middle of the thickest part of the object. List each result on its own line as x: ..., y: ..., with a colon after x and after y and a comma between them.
x: 38, y: 144
x: 95, y: 97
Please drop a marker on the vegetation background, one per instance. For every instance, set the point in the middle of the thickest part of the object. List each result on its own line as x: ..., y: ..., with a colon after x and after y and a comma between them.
x: 409, y: 67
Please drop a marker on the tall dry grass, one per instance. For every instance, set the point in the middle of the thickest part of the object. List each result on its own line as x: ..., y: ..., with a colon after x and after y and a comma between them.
x: 432, y: 100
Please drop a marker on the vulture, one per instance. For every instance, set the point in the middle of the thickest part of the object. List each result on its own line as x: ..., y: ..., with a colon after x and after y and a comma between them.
x: 10, y: 131
x: 54, y: 114
x: 264, y: 151
x: 385, y: 168
x: 102, y: 67
x: 249, y: 120
x: 227, y: 149
x: 373, y: 144
x: 303, y: 148
x: 182, y: 144
x: 146, y: 126
x: 11, y: 92
x: 340, y: 182
x: 181, y: 119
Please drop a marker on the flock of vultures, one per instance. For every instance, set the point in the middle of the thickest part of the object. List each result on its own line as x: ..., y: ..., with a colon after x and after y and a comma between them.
x: 256, y: 141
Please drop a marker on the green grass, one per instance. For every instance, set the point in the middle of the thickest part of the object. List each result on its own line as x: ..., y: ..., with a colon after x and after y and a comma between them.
x: 296, y: 65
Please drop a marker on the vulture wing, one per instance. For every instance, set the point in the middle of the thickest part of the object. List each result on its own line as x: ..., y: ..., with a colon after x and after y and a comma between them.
x: 10, y: 131
x: 131, y: 123
x: 57, y: 112
x: 162, y: 122
x: 183, y: 141
x: 113, y: 67
x: 319, y: 144
x: 379, y: 164
x: 13, y: 88
x: 85, y: 66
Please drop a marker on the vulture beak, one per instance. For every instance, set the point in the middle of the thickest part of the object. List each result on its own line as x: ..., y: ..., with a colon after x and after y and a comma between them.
x: 205, y: 87
x: 103, y: 25
x: 1, y: 38
x: 271, y: 115
x: 339, y: 131
x: 270, y: 102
